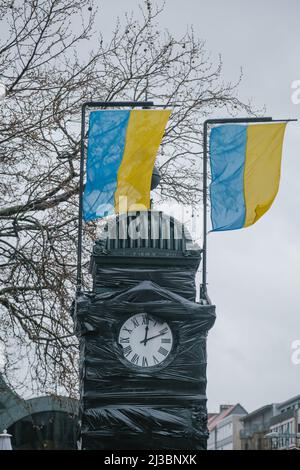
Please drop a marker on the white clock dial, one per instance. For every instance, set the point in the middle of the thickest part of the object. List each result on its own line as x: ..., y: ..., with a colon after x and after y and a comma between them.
x: 146, y: 341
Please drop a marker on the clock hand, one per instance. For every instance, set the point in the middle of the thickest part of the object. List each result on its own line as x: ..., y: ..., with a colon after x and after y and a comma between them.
x: 146, y: 334
x: 151, y: 337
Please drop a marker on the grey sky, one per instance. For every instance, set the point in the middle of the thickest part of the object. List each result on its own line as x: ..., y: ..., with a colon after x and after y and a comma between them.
x: 254, y: 274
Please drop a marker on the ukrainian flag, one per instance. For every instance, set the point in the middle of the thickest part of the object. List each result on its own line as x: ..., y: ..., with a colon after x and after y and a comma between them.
x: 245, y: 169
x: 122, y: 147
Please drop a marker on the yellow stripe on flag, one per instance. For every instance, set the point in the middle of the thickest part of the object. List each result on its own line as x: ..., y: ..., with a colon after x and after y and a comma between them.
x: 144, y: 134
x: 262, y: 168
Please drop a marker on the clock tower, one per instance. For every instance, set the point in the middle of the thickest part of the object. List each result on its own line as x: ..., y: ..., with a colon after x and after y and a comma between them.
x: 142, y: 338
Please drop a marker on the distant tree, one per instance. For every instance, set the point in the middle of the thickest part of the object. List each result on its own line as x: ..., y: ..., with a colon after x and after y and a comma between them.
x: 52, y: 59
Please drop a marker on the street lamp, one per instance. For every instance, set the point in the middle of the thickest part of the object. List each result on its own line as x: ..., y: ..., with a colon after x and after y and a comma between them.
x: 5, y: 443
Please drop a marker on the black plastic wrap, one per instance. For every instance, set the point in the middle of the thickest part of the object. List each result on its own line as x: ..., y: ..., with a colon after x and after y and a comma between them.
x: 180, y: 280
x: 92, y: 309
x: 145, y: 427
x: 124, y: 406
x: 102, y: 359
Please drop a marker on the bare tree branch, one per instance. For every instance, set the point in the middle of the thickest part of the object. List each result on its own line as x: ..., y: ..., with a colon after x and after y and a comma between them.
x: 51, y: 65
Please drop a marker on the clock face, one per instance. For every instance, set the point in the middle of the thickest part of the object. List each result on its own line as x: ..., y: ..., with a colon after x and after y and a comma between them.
x: 146, y: 341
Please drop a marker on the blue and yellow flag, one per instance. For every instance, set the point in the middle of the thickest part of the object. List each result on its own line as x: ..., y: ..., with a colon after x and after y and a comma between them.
x: 122, y: 147
x: 245, y: 168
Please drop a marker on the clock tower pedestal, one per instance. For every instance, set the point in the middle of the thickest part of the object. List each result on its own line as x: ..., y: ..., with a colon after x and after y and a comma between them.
x: 143, y: 339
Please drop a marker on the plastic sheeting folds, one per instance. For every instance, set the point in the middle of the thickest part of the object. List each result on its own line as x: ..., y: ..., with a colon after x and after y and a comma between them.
x: 124, y: 406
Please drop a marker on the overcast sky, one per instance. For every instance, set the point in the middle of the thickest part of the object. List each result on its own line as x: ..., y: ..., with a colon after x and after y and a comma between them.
x: 254, y: 274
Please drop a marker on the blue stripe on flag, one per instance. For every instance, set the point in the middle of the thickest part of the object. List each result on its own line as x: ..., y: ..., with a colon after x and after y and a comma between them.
x: 106, y: 143
x: 227, y: 160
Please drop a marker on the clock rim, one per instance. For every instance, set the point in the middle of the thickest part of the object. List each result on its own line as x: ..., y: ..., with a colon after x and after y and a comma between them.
x: 151, y: 369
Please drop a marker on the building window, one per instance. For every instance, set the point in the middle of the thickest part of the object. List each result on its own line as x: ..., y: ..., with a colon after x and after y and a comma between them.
x: 224, y: 431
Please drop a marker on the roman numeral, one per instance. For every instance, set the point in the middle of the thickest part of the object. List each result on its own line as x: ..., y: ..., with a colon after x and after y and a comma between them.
x: 127, y: 351
x: 135, y: 322
x: 124, y: 340
x: 135, y: 359
x: 155, y: 360
x: 145, y: 362
x: 163, y: 331
x: 166, y: 340
x: 145, y: 320
x: 163, y: 351
x: 128, y: 331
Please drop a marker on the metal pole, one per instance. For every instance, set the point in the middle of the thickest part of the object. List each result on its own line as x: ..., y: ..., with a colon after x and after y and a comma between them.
x: 94, y: 104
x: 203, y: 289
x: 149, y: 104
x: 80, y: 211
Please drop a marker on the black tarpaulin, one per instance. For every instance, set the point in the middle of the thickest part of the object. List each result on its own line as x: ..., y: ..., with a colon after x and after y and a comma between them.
x: 127, y: 406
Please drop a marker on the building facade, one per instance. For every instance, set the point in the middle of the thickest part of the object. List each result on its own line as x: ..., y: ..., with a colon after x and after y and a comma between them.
x: 284, y: 431
x: 224, y: 428
x: 255, y: 426
x: 271, y: 427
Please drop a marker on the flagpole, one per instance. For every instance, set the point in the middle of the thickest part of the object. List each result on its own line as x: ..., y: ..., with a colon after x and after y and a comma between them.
x: 203, y: 288
x: 94, y: 104
x: 211, y: 122
x: 80, y: 210
x: 149, y: 104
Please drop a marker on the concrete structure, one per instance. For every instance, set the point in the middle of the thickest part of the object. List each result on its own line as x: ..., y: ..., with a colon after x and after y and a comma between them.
x: 143, y: 267
x: 224, y: 428
x: 255, y: 426
x: 285, y: 426
x: 273, y: 426
x: 47, y: 422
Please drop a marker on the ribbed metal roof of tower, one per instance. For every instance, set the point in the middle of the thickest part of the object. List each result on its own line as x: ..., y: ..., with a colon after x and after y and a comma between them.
x: 149, y: 229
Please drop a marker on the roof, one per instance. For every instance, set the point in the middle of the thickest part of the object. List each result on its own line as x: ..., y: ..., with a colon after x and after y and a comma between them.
x: 287, y: 402
x: 14, y: 407
x: 258, y: 411
x: 215, y: 418
x: 277, y: 406
x: 210, y: 418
